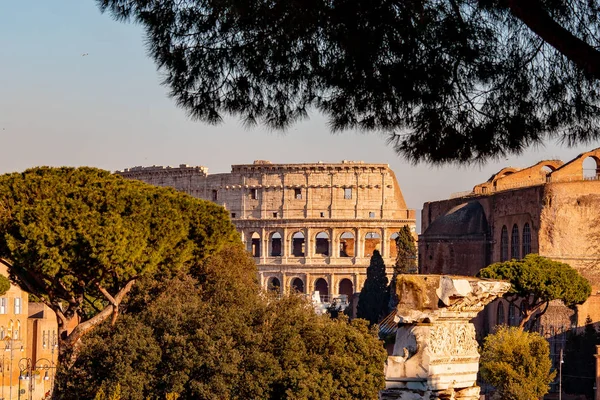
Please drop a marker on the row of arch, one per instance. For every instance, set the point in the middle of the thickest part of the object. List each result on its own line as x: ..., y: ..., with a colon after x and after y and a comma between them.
x: 520, y: 245
x: 13, y: 332
x: 297, y: 285
x: 347, y: 244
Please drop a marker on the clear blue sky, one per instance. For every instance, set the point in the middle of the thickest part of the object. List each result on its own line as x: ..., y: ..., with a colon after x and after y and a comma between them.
x: 107, y: 109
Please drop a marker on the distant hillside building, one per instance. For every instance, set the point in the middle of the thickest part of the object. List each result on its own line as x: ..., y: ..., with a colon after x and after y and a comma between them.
x: 551, y: 208
x: 308, y: 226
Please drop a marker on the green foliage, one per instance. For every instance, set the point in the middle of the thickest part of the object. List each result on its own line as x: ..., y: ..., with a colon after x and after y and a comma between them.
x: 449, y: 80
x: 4, y: 285
x: 406, y: 262
x: 517, y: 364
x: 406, y: 259
x: 580, y: 362
x: 211, y: 334
x: 538, y: 280
x: 77, y: 236
x: 373, y: 299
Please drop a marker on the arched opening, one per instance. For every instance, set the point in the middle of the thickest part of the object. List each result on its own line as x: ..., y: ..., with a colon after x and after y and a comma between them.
x: 322, y: 287
x: 372, y: 242
x: 255, y: 244
x: 514, y: 243
x: 504, y: 244
x: 500, y: 314
x: 273, y: 284
x: 591, y: 169
x: 298, y: 244
x: 346, y: 288
x: 393, y: 247
x: 546, y: 170
x: 322, y: 244
x: 526, y: 239
x: 276, y: 244
x: 347, y: 244
x: 297, y: 285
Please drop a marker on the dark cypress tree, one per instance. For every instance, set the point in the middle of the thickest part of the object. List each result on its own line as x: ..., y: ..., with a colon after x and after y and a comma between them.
x: 373, y: 298
x: 406, y: 261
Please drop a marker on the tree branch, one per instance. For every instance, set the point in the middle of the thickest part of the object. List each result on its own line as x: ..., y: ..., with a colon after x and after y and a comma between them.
x: 112, y: 309
x: 532, y: 14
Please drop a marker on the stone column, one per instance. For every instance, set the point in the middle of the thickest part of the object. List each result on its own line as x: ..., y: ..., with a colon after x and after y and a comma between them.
x: 435, y: 353
x: 307, y: 243
x: 264, y: 245
x: 285, y: 246
x: 385, y: 253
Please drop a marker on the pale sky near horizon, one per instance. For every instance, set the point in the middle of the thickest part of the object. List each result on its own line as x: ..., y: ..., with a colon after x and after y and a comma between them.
x: 76, y: 88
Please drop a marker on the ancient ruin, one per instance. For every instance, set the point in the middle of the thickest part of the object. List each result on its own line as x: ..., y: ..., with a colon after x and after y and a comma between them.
x: 435, y: 355
x: 309, y: 226
x: 549, y: 208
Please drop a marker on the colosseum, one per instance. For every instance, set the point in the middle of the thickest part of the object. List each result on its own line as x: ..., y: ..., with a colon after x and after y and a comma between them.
x: 310, y: 227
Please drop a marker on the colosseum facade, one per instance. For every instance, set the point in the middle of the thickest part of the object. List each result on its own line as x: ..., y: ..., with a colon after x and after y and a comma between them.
x: 308, y: 226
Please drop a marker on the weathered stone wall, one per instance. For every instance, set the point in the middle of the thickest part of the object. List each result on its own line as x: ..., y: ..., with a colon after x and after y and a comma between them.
x: 317, y: 223
x: 561, y: 209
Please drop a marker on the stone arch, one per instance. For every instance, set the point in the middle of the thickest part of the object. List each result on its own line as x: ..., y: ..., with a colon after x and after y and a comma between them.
x: 372, y: 242
x: 392, y: 244
x: 322, y: 287
x: 346, y: 287
x: 275, y: 244
x: 514, y: 243
x: 347, y: 244
x: 322, y: 243
x: 504, y: 244
x: 298, y: 244
x: 591, y: 167
x: 274, y: 284
x: 297, y: 285
x: 254, y: 244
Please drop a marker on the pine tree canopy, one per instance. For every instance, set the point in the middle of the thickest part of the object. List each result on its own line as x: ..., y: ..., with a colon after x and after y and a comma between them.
x: 537, y: 280
x: 447, y: 80
x: 79, y: 238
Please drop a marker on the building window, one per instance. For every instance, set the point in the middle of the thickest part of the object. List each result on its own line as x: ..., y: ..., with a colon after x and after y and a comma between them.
x: 274, y: 215
x: 253, y: 194
x: 17, y: 334
x: 504, y: 244
x: 44, y: 339
x: 2, y: 334
x: 17, y: 305
x: 348, y: 193
x: 371, y: 214
x: 298, y: 194
x: 322, y: 215
x: 526, y: 240
x: 3, y: 305
x: 500, y: 314
x: 514, y: 243
x: 215, y: 195
x: 232, y: 215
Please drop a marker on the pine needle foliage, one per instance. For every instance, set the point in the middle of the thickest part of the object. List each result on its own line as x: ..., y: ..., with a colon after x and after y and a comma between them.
x: 537, y: 280
x: 447, y: 80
